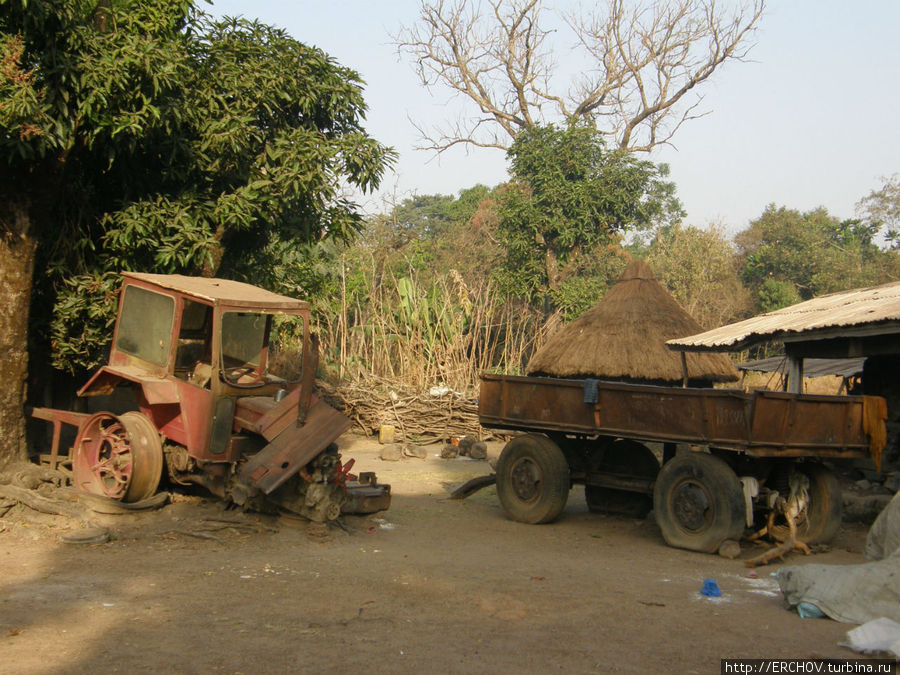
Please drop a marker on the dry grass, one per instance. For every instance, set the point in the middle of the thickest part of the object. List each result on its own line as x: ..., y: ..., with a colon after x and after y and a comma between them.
x: 410, y: 355
x: 830, y: 384
x: 417, y: 336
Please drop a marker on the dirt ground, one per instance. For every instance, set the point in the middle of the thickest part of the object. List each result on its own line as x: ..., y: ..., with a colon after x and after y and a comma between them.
x: 432, y: 585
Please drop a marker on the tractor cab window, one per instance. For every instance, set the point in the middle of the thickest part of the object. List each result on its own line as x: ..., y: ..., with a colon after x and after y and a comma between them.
x: 286, y: 341
x: 243, y: 338
x: 261, y: 348
x: 244, y: 346
x: 193, y: 352
x: 145, y: 325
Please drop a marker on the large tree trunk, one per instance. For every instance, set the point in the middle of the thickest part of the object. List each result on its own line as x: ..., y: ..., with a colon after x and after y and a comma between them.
x: 17, y: 251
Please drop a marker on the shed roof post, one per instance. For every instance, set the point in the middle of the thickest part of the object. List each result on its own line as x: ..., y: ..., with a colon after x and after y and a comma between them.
x: 795, y: 374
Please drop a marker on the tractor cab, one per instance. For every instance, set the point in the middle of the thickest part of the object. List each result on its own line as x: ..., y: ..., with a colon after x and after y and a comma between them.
x: 212, y: 333
x: 217, y: 403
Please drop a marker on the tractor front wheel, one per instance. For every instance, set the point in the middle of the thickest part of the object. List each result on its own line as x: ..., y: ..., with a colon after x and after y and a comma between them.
x: 119, y: 457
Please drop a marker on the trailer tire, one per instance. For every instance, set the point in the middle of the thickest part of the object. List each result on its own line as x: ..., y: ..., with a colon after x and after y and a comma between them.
x: 626, y: 457
x: 824, y: 513
x: 826, y: 506
x: 698, y: 502
x: 532, y: 479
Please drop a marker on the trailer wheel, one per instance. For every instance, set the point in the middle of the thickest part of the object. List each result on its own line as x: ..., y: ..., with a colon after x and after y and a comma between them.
x: 532, y: 479
x: 698, y: 502
x: 821, y: 519
x: 625, y: 457
x: 118, y: 457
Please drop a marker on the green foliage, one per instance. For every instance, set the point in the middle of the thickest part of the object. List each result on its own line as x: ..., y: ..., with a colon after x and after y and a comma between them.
x: 148, y: 136
x: 431, y: 234
x: 774, y: 294
x: 406, y: 236
x: 569, y: 199
x: 662, y: 206
x: 700, y: 268
x: 21, y: 115
x: 813, y: 253
x: 577, y: 294
x: 425, y: 316
x: 427, y: 217
x: 85, y: 300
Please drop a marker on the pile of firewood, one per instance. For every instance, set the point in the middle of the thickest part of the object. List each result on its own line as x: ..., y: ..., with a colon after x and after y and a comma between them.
x: 417, y: 416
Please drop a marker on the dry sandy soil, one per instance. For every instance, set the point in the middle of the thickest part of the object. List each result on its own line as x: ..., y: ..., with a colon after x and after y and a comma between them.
x: 432, y: 585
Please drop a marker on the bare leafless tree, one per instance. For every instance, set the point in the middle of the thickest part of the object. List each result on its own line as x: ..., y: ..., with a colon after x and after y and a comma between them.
x: 644, y: 61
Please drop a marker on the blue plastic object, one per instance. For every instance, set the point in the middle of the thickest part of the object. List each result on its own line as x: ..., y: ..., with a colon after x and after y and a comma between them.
x: 807, y: 610
x: 591, y: 394
x: 711, y: 589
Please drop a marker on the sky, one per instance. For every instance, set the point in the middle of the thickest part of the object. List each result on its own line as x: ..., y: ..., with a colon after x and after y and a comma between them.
x: 813, y: 119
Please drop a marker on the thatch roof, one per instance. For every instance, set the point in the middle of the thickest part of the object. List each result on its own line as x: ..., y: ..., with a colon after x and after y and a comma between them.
x: 623, y: 337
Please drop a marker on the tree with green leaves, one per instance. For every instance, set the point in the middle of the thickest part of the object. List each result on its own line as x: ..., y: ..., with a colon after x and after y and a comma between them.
x: 791, y: 256
x: 432, y: 234
x: 148, y: 136
x: 700, y: 268
x: 561, y: 216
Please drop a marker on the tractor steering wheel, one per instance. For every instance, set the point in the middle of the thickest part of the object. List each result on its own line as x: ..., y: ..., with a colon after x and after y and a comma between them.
x: 238, y: 372
x: 231, y: 376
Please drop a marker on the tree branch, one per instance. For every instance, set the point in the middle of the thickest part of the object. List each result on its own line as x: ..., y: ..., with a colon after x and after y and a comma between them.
x: 647, y: 58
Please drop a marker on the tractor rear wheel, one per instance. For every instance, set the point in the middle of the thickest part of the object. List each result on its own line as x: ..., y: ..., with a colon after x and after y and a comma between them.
x: 119, y: 457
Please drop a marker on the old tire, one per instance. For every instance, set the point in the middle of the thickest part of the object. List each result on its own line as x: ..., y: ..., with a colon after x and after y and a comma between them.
x: 119, y: 457
x: 698, y: 502
x: 821, y: 519
x: 628, y: 458
x: 532, y: 479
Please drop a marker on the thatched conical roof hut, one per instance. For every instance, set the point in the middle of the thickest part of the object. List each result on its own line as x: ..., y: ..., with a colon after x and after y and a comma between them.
x: 623, y: 337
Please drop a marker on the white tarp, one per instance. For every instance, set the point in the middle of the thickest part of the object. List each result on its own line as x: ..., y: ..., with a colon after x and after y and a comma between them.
x: 854, y: 593
x: 880, y: 635
x: 848, y: 593
x: 884, y: 535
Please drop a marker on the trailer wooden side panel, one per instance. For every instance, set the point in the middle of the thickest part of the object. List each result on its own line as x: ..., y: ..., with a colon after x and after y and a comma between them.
x: 763, y: 423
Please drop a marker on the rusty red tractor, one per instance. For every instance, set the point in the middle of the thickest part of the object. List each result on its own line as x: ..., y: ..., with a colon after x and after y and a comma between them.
x: 208, y: 409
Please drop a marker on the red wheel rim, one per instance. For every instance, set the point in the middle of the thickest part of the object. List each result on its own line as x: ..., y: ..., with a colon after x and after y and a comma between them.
x: 118, y: 457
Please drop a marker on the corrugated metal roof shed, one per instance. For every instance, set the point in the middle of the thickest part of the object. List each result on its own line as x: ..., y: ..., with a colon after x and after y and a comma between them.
x: 868, y: 311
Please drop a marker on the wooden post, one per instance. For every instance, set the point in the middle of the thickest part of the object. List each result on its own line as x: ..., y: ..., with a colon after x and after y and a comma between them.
x: 795, y: 374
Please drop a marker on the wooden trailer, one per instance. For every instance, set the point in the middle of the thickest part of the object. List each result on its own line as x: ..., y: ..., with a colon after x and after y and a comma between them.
x: 729, y: 460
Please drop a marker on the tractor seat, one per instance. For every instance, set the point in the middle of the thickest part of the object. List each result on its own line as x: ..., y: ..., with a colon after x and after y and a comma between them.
x: 258, y: 404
